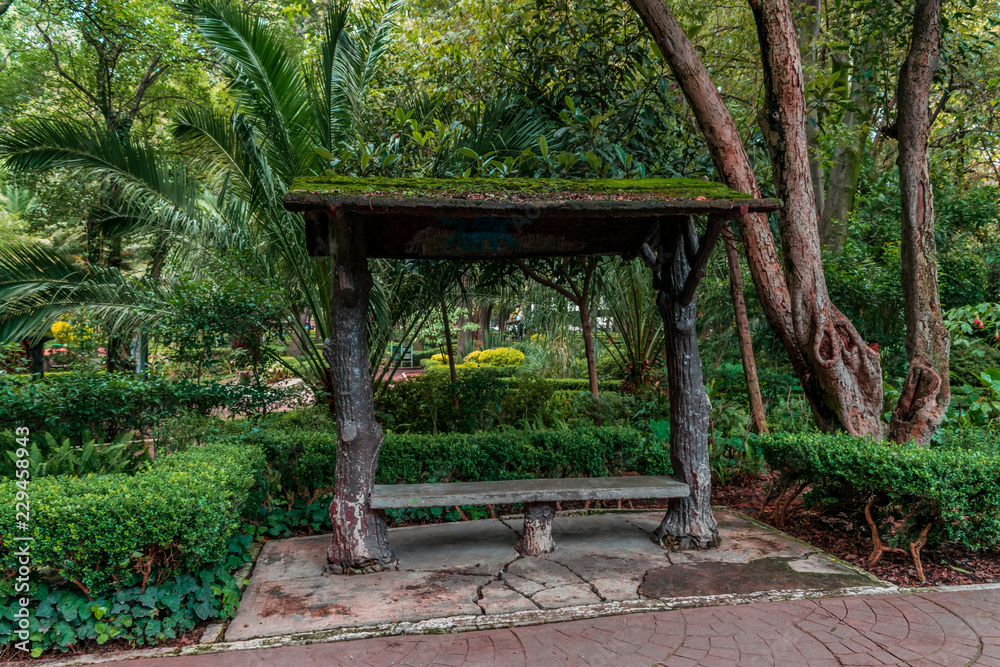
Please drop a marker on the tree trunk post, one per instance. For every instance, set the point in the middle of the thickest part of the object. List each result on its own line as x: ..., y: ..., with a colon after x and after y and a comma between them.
x: 689, y: 522
x: 926, y: 390
x: 360, y: 540
x: 743, y: 332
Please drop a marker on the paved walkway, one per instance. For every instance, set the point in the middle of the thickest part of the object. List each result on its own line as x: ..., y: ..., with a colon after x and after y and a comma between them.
x: 952, y: 628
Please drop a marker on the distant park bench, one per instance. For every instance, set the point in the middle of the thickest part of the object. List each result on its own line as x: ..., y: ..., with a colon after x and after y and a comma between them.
x: 538, y: 495
x: 402, y: 352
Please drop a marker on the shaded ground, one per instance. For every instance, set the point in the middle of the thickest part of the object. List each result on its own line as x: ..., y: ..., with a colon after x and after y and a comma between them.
x: 943, y: 565
x: 470, y: 569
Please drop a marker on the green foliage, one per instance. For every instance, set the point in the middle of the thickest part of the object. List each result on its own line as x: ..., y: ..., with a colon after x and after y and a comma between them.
x: 955, y: 490
x: 112, y: 532
x: 102, y: 404
x: 976, y: 405
x: 13, y: 359
x: 63, y: 618
x: 48, y: 456
x: 212, y: 310
x: 967, y: 362
x: 483, y: 397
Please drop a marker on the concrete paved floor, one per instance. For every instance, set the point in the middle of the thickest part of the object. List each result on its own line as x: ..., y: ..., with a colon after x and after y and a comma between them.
x: 909, y: 629
x: 471, y: 569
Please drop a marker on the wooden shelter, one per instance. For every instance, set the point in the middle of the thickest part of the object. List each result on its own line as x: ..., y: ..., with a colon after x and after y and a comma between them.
x: 352, y: 220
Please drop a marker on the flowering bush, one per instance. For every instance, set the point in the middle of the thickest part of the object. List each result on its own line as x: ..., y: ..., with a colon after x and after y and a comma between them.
x: 499, y: 356
x: 74, y: 332
x: 980, y: 322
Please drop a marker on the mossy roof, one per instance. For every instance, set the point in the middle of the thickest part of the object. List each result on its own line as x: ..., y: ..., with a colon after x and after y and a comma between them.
x: 511, y: 217
x: 516, y: 189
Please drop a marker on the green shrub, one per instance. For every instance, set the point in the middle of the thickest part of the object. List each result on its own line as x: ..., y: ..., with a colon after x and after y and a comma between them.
x: 955, y: 492
x: 303, y: 460
x: 63, y: 617
x: 111, y: 532
x: 498, y: 356
x: 591, y: 452
x: 968, y: 361
x: 483, y: 398
x: 102, y: 404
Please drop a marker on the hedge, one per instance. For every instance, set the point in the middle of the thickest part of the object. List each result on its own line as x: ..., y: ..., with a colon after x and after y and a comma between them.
x: 590, y: 452
x: 912, y: 494
x: 303, y: 459
x: 105, y: 404
x: 479, y: 399
x: 113, y: 531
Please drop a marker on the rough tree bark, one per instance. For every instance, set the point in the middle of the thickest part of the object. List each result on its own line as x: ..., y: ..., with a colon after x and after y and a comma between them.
x: 360, y: 540
x: 926, y: 390
x: 848, y: 370
x: 759, y: 423
x: 689, y: 522
x: 841, y: 377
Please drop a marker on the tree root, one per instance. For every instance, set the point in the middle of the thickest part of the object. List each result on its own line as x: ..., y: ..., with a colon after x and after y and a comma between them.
x: 879, y: 548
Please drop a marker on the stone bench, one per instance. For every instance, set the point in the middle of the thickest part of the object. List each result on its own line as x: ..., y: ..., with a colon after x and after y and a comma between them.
x: 538, y: 495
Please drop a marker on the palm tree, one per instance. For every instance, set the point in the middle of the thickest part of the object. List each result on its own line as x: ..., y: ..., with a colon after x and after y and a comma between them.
x: 288, y: 112
x: 286, y: 108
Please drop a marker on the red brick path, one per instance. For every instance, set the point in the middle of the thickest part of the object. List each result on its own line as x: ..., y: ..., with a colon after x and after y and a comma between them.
x: 943, y: 628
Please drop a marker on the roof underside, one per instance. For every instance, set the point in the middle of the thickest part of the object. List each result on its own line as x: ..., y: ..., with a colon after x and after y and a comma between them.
x: 486, y: 218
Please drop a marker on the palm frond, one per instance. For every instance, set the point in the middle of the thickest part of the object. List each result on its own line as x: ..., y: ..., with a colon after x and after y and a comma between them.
x: 39, y: 286
x: 268, y: 78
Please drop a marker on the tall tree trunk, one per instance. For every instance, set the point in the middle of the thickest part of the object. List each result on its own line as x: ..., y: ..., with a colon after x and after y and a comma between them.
x: 689, y: 522
x: 845, y: 172
x: 810, y: 30
x: 840, y: 375
x: 926, y: 391
x: 484, y: 326
x: 588, y: 347
x: 848, y: 371
x: 447, y: 339
x: 743, y: 332
x: 360, y: 539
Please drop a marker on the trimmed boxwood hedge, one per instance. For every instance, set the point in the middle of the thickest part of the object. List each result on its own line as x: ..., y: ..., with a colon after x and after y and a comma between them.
x: 303, y: 458
x: 953, y: 491
x: 109, y: 531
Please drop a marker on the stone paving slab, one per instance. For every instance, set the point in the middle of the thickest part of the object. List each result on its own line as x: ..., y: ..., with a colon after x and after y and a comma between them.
x: 471, y: 569
x: 956, y: 627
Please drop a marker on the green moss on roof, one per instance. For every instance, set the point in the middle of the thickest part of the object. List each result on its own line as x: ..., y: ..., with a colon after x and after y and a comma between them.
x: 516, y: 189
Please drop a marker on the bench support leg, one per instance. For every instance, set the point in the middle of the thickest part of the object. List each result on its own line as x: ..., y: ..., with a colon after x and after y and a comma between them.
x: 537, y: 538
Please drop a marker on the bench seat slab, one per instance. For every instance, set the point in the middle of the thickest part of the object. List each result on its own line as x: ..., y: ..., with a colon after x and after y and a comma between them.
x: 526, y: 491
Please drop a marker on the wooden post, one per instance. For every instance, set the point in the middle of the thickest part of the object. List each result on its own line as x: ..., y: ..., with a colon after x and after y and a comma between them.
x: 743, y: 333
x: 689, y: 522
x: 360, y: 539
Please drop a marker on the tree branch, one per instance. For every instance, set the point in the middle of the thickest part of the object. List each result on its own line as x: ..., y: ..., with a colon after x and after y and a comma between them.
x: 59, y: 69
x: 148, y: 79
x: 538, y: 278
